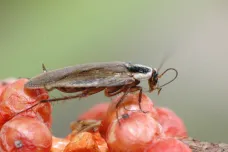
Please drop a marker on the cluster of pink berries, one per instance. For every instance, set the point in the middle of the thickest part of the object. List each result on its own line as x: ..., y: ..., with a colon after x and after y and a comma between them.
x: 124, y: 129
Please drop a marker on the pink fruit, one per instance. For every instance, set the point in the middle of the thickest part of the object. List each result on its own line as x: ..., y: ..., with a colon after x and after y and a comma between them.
x: 172, y: 125
x: 168, y: 145
x: 25, y: 134
x: 129, y: 105
x: 133, y: 133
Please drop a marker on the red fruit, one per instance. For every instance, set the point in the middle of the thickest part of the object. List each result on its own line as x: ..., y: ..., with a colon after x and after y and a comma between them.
x: 7, y: 81
x: 59, y: 144
x: 133, y: 133
x: 98, y: 112
x: 102, y: 145
x: 172, y: 125
x: 4, y: 83
x: 131, y: 103
x: 15, y: 99
x: 42, y: 112
x: 25, y: 134
x: 169, y: 145
x: 83, y: 142
x: 2, y: 88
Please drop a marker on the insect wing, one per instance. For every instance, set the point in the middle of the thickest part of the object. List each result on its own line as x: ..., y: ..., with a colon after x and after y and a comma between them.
x: 87, y: 75
x: 99, y: 76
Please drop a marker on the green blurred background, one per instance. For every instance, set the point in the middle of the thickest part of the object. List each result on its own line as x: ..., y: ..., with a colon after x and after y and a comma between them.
x: 63, y: 33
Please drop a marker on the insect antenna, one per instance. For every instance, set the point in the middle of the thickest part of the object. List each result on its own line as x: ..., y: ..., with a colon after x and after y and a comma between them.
x: 165, y: 58
x: 169, y: 69
x: 44, y: 68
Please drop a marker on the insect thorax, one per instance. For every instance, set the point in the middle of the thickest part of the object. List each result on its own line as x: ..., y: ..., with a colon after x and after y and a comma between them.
x: 139, y: 71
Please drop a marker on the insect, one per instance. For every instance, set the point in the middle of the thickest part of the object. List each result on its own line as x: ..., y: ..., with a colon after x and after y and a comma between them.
x: 88, y: 79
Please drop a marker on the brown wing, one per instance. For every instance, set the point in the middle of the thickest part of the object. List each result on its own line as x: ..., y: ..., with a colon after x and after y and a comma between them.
x: 87, y: 75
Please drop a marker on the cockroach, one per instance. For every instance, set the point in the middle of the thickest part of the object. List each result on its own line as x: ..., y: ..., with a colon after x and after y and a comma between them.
x: 88, y: 79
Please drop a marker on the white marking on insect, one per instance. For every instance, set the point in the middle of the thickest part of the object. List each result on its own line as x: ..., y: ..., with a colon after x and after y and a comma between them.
x: 141, y: 76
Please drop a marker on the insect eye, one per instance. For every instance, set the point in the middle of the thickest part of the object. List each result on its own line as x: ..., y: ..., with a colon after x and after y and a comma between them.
x: 155, y: 75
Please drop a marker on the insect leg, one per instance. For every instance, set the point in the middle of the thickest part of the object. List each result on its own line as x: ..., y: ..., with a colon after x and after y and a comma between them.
x: 120, y: 101
x: 115, y: 91
x: 123, y: 96
x: 138, y: 88
x: 90, y: 91
x: 83, y: 94
x: 112, y: 91
x: 140, y: 97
